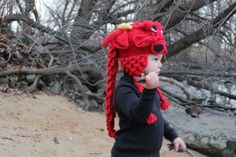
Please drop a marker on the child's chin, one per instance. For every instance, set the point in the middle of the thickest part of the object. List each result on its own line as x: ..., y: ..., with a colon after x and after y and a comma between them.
x: 158, y: 72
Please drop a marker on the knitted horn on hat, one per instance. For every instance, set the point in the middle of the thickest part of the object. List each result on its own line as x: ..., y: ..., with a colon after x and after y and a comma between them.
x: 131, y: 43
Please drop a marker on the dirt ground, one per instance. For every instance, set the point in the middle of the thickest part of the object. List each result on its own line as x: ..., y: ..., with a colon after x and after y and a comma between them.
x: 43, y: 125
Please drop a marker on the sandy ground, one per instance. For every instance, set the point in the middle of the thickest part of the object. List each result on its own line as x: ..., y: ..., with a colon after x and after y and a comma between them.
x: 43, y: 125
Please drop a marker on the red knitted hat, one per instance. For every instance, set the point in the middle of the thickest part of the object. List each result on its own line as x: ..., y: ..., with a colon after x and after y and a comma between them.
x: 131, y: 43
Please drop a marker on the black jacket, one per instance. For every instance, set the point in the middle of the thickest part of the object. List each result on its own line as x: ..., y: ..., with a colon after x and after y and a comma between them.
x: 136, y: 138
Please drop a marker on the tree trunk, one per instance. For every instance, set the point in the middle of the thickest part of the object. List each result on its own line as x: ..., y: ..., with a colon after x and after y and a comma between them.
x: 81, y: 29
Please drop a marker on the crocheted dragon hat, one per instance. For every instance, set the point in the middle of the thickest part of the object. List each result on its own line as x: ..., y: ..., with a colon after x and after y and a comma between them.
x: 131, y: 43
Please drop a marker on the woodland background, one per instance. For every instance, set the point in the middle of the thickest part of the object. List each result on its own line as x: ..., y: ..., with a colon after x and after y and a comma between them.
x: 59, y: 49
x: 54, y: 46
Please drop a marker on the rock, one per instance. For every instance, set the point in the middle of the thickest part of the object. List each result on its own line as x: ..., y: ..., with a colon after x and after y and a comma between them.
x: 56, y: 88
x: 198, y: 135
x: 4, y: 80
x: 193, y: 111
x: 93, y: 105
x: 230, y: 144
x: 3, y: 87
x: 41, y: 84
x: 23, y: 84
x: 14, y: 78
x: 228, y: 153
x: 30, y: 78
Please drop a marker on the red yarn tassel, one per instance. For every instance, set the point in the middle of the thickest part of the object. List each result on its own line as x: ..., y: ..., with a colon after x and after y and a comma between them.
x: 165, y: 104
x: 151, y: 119
x: 112, y: 69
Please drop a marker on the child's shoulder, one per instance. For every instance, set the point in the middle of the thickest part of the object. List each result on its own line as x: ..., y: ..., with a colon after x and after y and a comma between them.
x: 124, y: 85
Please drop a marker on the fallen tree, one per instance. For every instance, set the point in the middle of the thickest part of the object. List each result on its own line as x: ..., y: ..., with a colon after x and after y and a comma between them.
x: 210, y: 88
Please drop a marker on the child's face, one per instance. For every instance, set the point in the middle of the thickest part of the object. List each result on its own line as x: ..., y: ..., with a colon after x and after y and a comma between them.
x: 154, y: 63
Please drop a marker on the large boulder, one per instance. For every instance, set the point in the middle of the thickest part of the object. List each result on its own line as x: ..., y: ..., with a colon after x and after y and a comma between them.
x: 207, y: 137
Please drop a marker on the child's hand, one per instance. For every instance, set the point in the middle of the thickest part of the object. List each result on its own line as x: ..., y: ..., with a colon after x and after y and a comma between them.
x: 152, y: 80
x: 179, y: 144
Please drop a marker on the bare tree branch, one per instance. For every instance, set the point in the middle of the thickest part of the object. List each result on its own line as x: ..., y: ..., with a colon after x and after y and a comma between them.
x: 43, y: 71
x: 210, y: 74
x: 104, y: 13
x: 33, y: 86
x: 179, y: 12
x: 71, y: 10
x: 202, y: 33
x: 17, y: 17
x: 19, y: 6
x: 208, y: 87
x: 173, y: 81
x: 162, y: 7
x: 64, y: 12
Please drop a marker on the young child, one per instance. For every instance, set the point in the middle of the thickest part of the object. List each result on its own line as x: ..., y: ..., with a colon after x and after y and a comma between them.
x: 139, y: 48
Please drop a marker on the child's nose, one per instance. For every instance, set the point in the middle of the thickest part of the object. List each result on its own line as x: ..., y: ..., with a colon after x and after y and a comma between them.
x: 159, y: 64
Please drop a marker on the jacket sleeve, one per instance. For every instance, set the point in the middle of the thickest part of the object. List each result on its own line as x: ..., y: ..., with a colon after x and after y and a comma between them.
x: 169, y: 132
x: 132, y: 106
